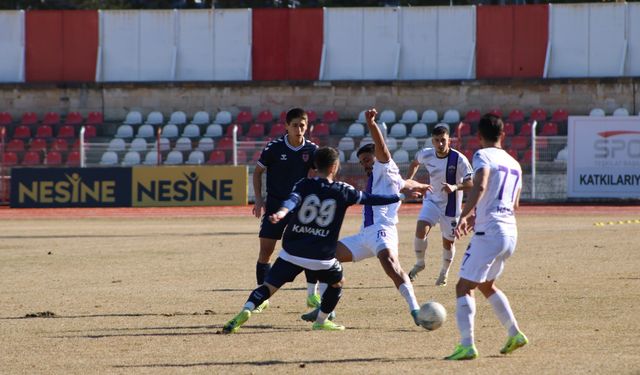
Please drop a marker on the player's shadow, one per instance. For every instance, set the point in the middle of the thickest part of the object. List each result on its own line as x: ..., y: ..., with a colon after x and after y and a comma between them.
x: 211, y: 330
x: 301, y: 363
x: 141, y: 235
x: 285, y: 289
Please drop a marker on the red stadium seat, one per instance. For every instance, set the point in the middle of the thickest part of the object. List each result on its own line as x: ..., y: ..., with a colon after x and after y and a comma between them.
x: 51, y: 118
x: 241, y: 157
x: 38, y: 145
x: 229, y: 131
x: 5, y: 118
x: 472, y: 143
x: 320, y: 130
x: 496, y: 112
x: 472, y: 116
x: 9, y: 159
x: 519, y: 143
x: 29, y: 118
x: 15, y: 145
x: 513, y: 153
x: 313, y: 116
x: 244, y: 117
x: 60, y: 145
x: 95, y: 118
x: 538, y: 115
x: 560, y: 115
x: 225, y: 143
x: 90, y: 132
x: 516, y: 116
x: 549, y: 129
x: 525, y: 129
x: 44, y: 131
x: 277, y: 130
x: 509, y: 129
x: 256, y: 130
x: 256, y: 155
x: 73, y: 118
x: 22, y: 132
x: 217, y: 157
x: 463, y: 129
x: 31, y: 158
x: 330, y: 117
x: 73, y: 159
x: 53, y: 158
x: 66, y: 131
x: 468, y: 154
x: 526, y: 158
x: 283, y: 117
x: 264, y: 117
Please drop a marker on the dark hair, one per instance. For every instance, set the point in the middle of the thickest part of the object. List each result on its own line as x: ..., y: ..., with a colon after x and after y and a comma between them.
x: 490, y: 127
x: 325, y: 157
x: 368, y: 148
x: 440, y: 129
x: 294, y: 113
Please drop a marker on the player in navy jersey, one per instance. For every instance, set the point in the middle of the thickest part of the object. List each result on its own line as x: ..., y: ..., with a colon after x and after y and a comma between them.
x: 286, y: 160
x: 317, y: 207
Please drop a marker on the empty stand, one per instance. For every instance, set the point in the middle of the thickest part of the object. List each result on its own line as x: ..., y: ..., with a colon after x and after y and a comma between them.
x: 53, y: 158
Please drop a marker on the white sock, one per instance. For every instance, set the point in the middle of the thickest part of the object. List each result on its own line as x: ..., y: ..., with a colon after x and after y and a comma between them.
x: 447, y: 258
x: 501, y: 307
x: 322, y: 317
x: 465, y: 315
x: 322, y: 287
x: 311, y: 288
x: 249, y: 306
x: 406, y: 290
x: 420, y: 247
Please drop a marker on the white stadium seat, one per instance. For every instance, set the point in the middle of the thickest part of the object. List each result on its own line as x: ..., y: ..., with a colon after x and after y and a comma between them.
x: 401, y: 156
x: 124, y: 131
x: 195, y: 158
x: 200, y: 118
x: 131, y: 158
x: 223, y: 118
x: 169, y: 131
x: 355, y: 130
x: 205, y: 144
x: 419, y: 130
x: 116, y: 144
x: 109, y: 158
x: 597, y: 112
x: 346, y: 144
x: 178, y: 118
x: 213, y: 130
x: 133, y: 118
x: 146, y: 131
x: 429, y: 116
x: 155, y: 118
x: 174, y: 158
x: 410, y: 116
x: 151, y: 158
x: 451, y: 116
x: 398, y: 130
x: 387, y: 115
x: 139, y: 145
x: 191, y: 131
x: 183, y: 144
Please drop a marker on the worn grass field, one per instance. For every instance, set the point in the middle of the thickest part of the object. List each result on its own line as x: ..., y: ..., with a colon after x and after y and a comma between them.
x: 148, y: 295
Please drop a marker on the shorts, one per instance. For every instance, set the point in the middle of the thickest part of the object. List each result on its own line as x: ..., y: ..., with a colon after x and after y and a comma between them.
x: 284, y: 272
x: 268, y: 229
x: 486, y: 255
x: 371, y: 240
x: 432, y: 214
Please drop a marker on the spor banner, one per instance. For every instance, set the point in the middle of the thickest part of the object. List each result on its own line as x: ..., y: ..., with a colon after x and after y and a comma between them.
x: 604, y: 157
x: 189, y: 186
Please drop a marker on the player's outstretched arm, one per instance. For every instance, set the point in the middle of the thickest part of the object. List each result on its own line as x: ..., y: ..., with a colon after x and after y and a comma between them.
x: 466, y: 185
x: 288, y: 205
x: 382, y: 152
x: 258, y: 206
x: 480, y: 182
x: 413, y: 168
x: 415, y: 188
x: 379, y: 200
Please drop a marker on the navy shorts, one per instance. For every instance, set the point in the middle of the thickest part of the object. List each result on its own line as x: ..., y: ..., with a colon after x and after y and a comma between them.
x: 267, y: 229
x: 283, y: 272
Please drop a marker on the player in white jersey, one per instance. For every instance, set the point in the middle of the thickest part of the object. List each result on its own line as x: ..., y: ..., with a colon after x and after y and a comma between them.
x: 378, y: 234
x: 494, y: 197
x: 450, y: 173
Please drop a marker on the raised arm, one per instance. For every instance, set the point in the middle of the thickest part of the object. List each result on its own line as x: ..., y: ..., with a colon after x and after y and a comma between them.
x: 382, y: 152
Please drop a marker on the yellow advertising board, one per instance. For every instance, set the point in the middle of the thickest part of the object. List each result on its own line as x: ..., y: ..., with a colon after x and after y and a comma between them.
x: 189, y: 186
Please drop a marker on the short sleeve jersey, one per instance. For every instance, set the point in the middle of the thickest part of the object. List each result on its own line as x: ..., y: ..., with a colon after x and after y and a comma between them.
x: 452, y: 169
x: 285, y: 165
x: 494, y: 211
x: 315, y: 224
x: 385, y: 179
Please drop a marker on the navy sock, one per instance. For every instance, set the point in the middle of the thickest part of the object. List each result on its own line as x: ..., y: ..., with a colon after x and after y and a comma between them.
x: 259, y: 295
x: 330, y: 299
x: 311, y: 277
x: 262, y: 269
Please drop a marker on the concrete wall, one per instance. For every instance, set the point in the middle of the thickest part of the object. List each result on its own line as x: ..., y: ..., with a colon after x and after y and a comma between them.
x: 578, y: 96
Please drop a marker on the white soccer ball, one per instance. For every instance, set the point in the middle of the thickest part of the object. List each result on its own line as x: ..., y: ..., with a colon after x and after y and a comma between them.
x: 432, y: 315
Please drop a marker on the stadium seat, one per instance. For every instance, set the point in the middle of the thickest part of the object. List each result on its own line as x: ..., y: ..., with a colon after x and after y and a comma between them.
x: 256, y: 155
x: 214, y: 131
x: 178, y: 118
x: 139, y: 145
x: 419, y: 130
x: 66, y: 131
x: 29, y: 118
x: 365, y: 141
x: 151, y: 158
x: 169, y: 131
x: 38, y: 145
x: 146, y: 131
x: 95, y: 118
x: 124, y: 131
x: 205, y: 144
x: 22, y: 132
x: 51, y: 118
x: 225, y: 143
x: 355, y: 130
x: 133, y: 118
x: 361, y: 117
x: 621, y: 112
x: 341, y: 156
x: 392, y: 144
x: 353, y: 158
x: 174, y: 158
x: 330, y: 117
x: 472, y: 143
x: 283, y: 117
x: 31, y: 158
x: 109, y: 158
x: 15, y: 145
x: 195, y: 158
x: 320, y: 130
x: 539, y: 115
x: 401, y: 156
x: 277, y: 130
x: 509, y: 129
x: 519, y: 143
x: 200, y: 118
x: 9, y: 159
x: 451, y: 116
x: 473, y: 116
x: 244, y: 117
x: 60, y: 145
x: 116, y: 144
x: 496, y: 112
x: 526, y: 157
x: 44, y: 131
x: 155, y: 118
x: 525, y: 129
x: 560, y: 115
x: 223, y: 118
x: 517, y: 115
x: 217, y: 157
x: 256, y: 130
x: 398, y: 130
x: 191, y: 131
x: 597, y: 112
x: 229, y: 131
x: 549, y: 129
x: 513, y: 153
x: 346, y: 144
x: 73, y: 159
x: 131, y: 158
x: 241, y: 157
x: 312, y: 116
x: 73, y: 118
x: 264, y: 117
x: 410, y: 116
x: 429, y: 116
x: 388, y: 116
x: 165, y: 145
x: 53, y: 158
x: 463, y: 129
x: 5, y: 118
x: 90, y: 131
x: 183, y: 144
x: 410, y: 144
x: 468, y: 154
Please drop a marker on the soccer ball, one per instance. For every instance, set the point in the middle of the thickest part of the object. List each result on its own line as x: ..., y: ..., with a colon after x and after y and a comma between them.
x: 432, y: 315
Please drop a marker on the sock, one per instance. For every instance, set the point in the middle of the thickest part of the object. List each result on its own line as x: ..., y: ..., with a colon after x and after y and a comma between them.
x: 322, y: 317
x: 465, y: 315
x: 406, y: 290
x: 259, y: 295
x: 322, y: 287
x: 262, y: 269
x: 311, y: 289
x: 330, y: 300
x: 447, y: 258
x: 420, y: 247
x: 501, y: 307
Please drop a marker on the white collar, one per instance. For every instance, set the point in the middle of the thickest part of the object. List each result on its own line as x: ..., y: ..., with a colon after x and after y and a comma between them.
x: 286, y: 142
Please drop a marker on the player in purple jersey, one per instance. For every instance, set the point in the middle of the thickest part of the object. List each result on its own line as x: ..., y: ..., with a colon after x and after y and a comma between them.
x: 317, y: 206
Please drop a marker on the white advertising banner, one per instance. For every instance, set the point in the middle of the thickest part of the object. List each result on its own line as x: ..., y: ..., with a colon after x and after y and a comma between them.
x: 604, y: 157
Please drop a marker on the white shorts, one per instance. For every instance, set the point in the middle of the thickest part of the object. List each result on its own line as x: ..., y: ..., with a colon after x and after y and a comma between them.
x: 485, y: 257
x: 432, y: 214
x: 372, y: 240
